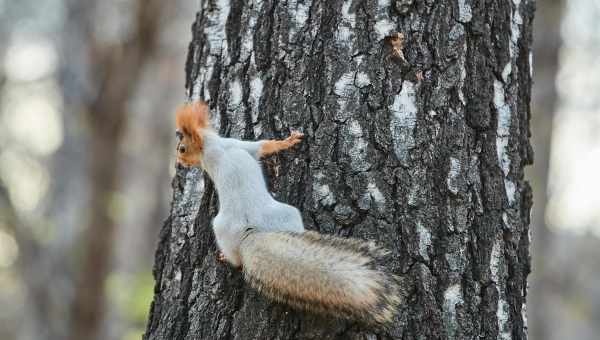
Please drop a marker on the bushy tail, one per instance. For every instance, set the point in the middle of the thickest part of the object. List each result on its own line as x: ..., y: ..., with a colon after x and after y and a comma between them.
x: 321, y: 273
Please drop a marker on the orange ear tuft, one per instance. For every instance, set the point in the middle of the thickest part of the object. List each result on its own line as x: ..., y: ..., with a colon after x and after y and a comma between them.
x: 191, y: 117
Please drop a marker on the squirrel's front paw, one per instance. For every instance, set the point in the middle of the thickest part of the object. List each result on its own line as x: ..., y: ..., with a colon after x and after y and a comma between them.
x: 295, y: 138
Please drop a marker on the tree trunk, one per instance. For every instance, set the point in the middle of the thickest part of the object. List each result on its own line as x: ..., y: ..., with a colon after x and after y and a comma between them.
x: 425, y: 156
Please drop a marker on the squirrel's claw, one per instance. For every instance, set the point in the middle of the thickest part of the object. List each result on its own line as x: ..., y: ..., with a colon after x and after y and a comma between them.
x: 295, y: 137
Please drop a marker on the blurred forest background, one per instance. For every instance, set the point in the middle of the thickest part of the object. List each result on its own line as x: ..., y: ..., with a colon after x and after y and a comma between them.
x: 87, y: 91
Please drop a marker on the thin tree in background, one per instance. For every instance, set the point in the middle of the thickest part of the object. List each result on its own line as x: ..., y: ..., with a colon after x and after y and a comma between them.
x: 116, y: 71
x: 422, y: 151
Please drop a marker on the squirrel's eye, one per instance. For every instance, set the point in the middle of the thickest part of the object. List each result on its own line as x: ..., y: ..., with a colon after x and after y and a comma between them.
x: 181, y: 148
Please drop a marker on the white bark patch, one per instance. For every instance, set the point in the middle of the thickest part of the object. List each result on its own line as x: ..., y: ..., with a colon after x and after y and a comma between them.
x: 362, y: 79
x: 403, y: 120
x: 384, y: 26
x: 215, y: 27
x: 196, y: 89
x: 258, y: 130
x: 206, y: 72
x: 456, y: 259
x: 321, y: 192
x: 324, y: 195
x: 463, y: 74
x: 424, y: 241
x: 452, y: 180
x: 344, y: 89
x: 502, y: 315
x: 502, y: 137
x: 515, y: 35
x: 511, y: 190
x: 358, y: 59
x: 376, y: 195
x: 452, y: 297
x: 193, y: 188
x: 506, y: 71
x: 515, y: 29
x: 235, y: 92
x: 217, y: 42
x: 464, y: 11
x: 506, y: 221
x: 197, y: 86
x: 346, y: 15
x: 298, y: 12
x: 496, y: 259
x: 342, y: 85
x: 235, y: 108
x: 354, y: 128
x: 247, y: 40
x: 498, y: 273
x: 348, y: 83
x: 346, y: 27
x: 456, y: 33
x: 358, y: 151
x: 256, y: 90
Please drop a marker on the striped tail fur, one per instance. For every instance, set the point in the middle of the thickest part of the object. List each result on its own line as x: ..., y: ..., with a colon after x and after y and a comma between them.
x: 321, y: 273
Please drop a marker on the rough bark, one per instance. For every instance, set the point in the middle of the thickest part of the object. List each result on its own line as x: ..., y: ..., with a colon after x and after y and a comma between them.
x: 424, y: 156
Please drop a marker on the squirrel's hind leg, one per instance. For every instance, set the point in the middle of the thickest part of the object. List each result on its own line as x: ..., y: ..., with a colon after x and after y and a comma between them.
x: 222, y: 259
x: 228, y: 241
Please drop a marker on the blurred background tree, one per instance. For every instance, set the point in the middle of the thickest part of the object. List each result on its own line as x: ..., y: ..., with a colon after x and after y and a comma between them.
x: 49, y: 80
x: 565, y: 300
x: 116, y: 65
x: 546, y: 46
x: 87, y: 90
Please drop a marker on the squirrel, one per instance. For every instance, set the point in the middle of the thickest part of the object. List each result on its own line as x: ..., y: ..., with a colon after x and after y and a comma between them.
x: 266, y: 239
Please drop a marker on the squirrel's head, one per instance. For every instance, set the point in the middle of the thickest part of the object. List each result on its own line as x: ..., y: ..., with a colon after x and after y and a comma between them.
x: 189, y: 120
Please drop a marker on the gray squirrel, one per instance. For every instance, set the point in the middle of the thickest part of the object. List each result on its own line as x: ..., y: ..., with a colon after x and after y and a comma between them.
x: 266, y: 239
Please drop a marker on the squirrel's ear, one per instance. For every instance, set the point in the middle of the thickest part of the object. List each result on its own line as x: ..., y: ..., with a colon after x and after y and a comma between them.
x: 192, y: 116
